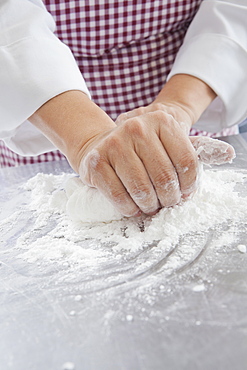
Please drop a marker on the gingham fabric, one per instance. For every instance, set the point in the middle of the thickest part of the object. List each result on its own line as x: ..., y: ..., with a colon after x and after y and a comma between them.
x: 11, y: 159
x: 124, y: 49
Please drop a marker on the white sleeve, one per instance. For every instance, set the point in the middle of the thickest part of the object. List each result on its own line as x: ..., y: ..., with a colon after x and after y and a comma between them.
x: 34, y: 67
x: 215, y: 50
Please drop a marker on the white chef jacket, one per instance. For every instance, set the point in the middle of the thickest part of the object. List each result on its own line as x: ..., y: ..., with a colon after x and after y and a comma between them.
x: 35, y: 66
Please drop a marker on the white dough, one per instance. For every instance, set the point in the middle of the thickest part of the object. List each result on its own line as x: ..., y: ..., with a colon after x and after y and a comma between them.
x: 87, y: 204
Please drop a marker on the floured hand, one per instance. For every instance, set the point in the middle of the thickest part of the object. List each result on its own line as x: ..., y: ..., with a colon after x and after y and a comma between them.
x: 148, y: 161
x: 87, y: 204
x: 212, y: 151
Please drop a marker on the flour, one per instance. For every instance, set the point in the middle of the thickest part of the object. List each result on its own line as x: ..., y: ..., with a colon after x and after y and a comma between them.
x: 198, y: 288
x: 129, y: 318
x: 68, y: 366
x: 87, y: 204
x: 178, y: 269
x: 178, y: 232
x: 242, y: 248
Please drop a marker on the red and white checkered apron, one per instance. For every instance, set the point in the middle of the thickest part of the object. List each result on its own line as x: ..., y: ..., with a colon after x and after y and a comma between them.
x: 124, y: 49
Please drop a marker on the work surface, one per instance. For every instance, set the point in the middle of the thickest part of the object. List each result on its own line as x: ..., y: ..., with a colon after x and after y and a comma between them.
x: 52, y: 317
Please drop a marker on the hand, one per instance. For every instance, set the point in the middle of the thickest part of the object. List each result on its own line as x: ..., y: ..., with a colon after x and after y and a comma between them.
x: 212, y: 151
x: 145, y: 163
x: 148, y: 161
x: 209, y: 151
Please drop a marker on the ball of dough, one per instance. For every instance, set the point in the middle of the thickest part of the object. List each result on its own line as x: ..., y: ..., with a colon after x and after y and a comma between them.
x: 87, y: 204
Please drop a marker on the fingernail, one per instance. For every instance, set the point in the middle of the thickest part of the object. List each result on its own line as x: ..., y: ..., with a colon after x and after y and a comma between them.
x: 188, y: 196
x: 153, y: 213
x: 138, y: 213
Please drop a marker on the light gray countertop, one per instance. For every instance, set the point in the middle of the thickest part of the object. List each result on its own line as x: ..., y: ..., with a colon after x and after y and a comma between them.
x: 46, y: 321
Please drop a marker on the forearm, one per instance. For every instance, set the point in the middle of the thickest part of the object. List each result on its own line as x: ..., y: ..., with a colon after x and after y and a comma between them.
x: 188, y: 93
x: 70, y: 120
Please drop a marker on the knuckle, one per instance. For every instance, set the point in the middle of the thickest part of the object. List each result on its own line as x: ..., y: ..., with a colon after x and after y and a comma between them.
x: 158, y: 107
x: 92, y: 159
x: 118, y: 196
x: 113, y: 143
x: 171, y: 186
x: 135, y: 128
x: 143, y: 193
x: 160, y: 115
x: 115, y: 149
x: 168, y: 188
x: 123, y: 203
x: 122, y: 117
x: 166, y: 180
x: 187, y: 162
x: 139, y: 111
x: 166, y: 120
x: 146, y: 198
x: 91, y: 167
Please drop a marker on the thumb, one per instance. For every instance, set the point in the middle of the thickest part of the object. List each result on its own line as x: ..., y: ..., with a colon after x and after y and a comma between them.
x: 212, y: 151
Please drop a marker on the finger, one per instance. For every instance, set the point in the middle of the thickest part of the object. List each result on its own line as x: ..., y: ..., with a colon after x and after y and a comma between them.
x: 137, y: 182
x: 212, y: 151
x: 181, y: 154
x: 129, y: 168
x: 96, y: 172
x: 153, y: 172
x: 161, y: 171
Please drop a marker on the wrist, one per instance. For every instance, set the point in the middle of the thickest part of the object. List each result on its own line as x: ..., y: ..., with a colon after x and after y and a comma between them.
x: 188, y: 94
x: 71, y: 120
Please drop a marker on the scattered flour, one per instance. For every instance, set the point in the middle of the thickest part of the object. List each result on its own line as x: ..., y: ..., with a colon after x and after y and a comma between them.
x: 242, y: 248
x: 142, y: 242
x: 198, y: 288
x: 129, y: 318
x: 68, y: 366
